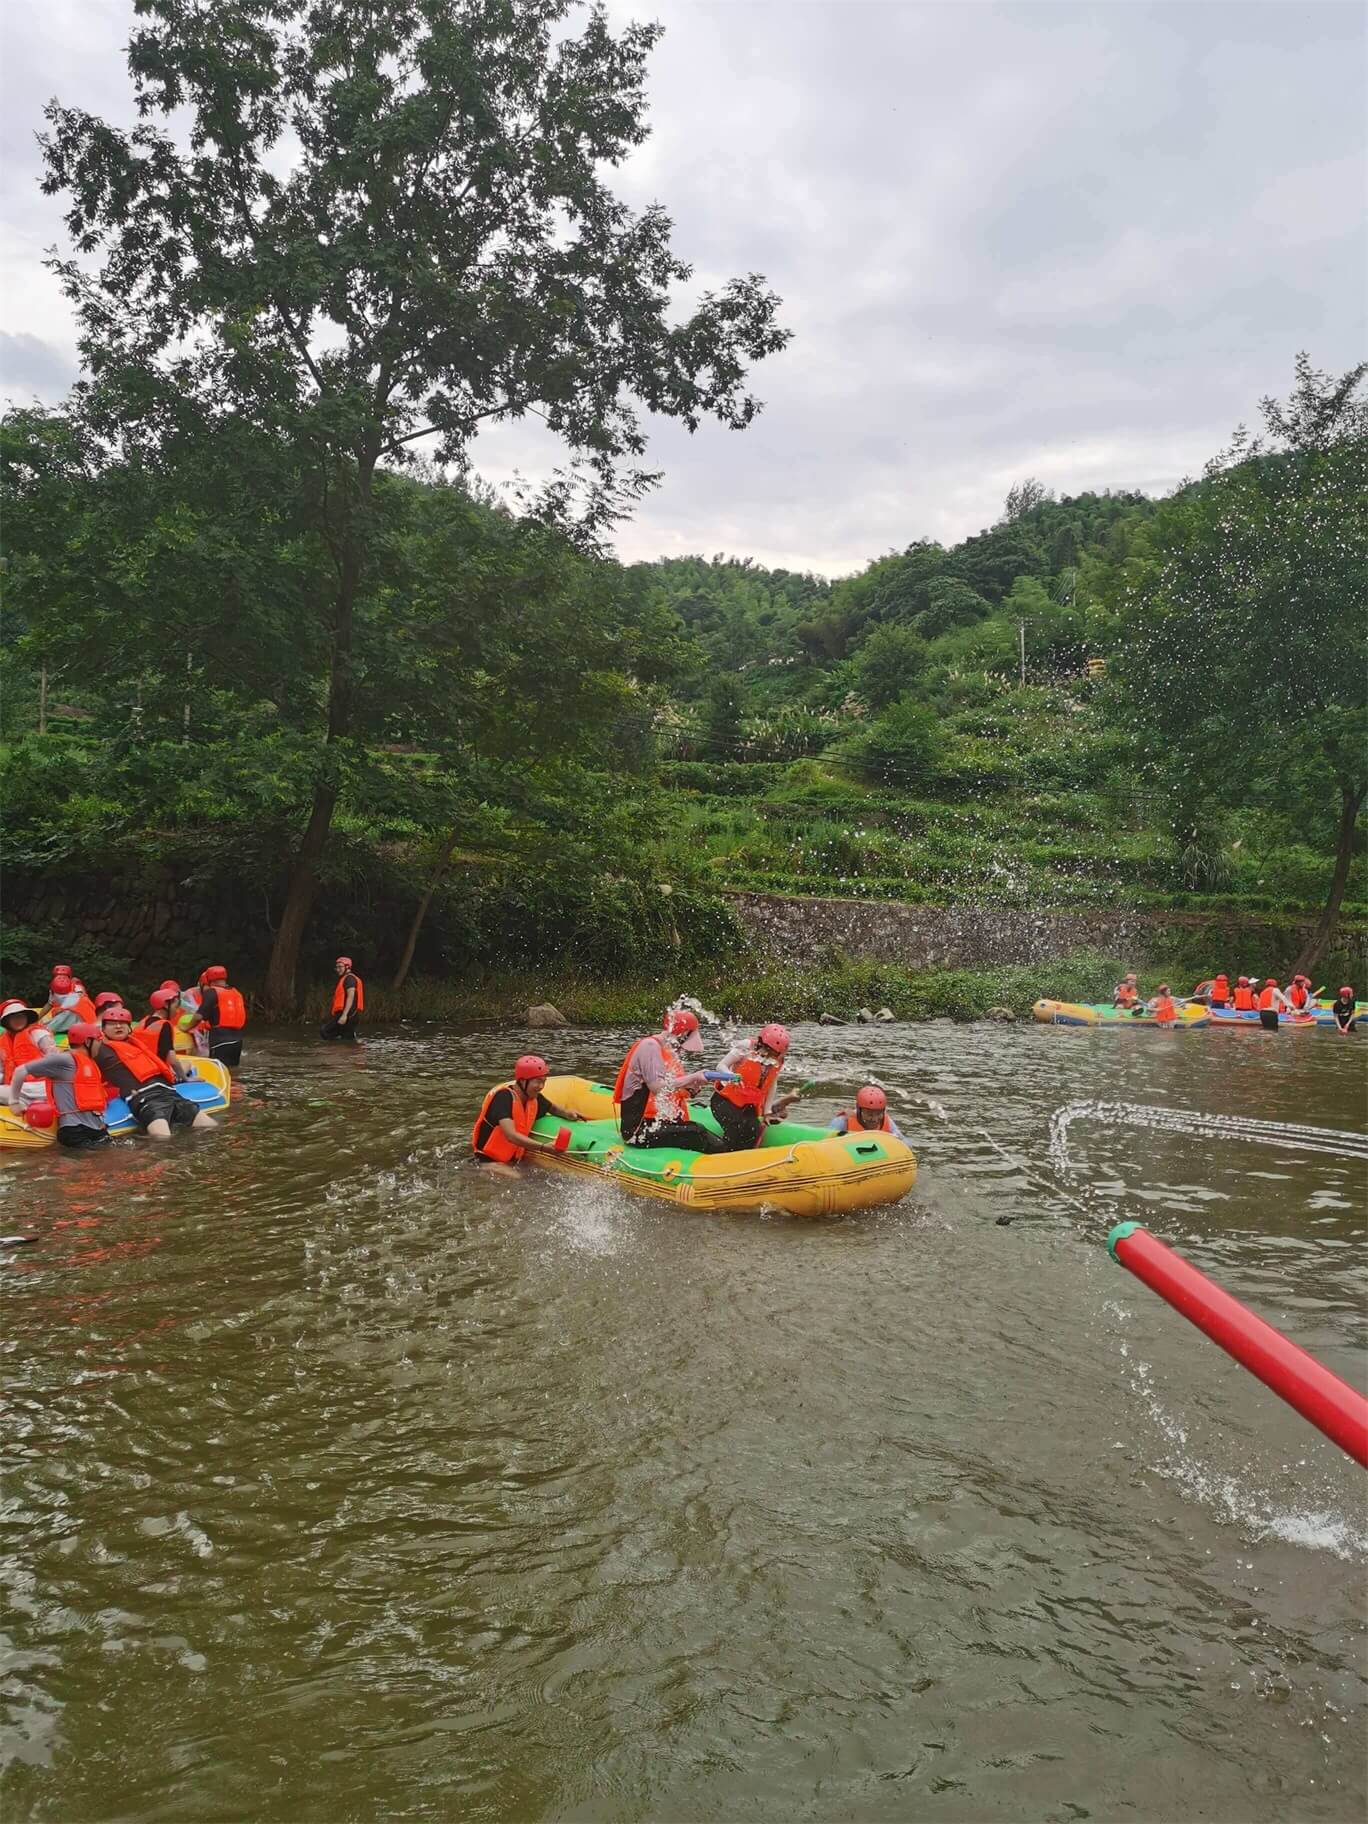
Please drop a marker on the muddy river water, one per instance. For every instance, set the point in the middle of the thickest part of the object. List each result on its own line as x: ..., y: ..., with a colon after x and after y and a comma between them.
x: 343, y: 1481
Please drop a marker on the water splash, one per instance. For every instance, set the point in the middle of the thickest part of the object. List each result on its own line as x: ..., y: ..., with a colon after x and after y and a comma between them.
x: 1287, y: 1134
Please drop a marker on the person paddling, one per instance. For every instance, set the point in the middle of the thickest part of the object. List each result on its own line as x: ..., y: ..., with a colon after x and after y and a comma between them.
x: 871, y: 1114
x: 1163, y: 1008
x: 75, y: 1090
x: 743, y: 1108
x: 1126, y: 994
x: 652, y: 1088
x: 348, y: 1003
x: 145, y: 1081
x: 1345, y: 1009
x: 222, y: 1016
x: 503, y: 1128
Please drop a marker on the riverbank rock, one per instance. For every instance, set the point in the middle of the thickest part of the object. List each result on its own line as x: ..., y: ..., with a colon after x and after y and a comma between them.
x: 864, y: 1017
x: 1003, y: 1015
x: 885, y: 1014
x: 546, y: 1016
x: 829, y: 1019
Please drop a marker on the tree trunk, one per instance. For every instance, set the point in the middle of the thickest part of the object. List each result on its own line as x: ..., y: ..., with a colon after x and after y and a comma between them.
x: 279, y: 990
x: 411, y: 942
x: 1351, y: 802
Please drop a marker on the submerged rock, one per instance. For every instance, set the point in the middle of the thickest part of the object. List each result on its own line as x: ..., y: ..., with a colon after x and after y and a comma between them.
x: 1003, y: 1015
x: 545, y: 1015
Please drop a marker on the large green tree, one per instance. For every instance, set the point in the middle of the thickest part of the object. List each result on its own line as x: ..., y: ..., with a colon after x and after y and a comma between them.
x: 1244, y: 643
x: 355, y: 225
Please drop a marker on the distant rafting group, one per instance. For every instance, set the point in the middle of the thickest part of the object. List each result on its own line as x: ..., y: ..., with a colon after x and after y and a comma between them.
x: 1261, y: 1003
x: 78, y: 1068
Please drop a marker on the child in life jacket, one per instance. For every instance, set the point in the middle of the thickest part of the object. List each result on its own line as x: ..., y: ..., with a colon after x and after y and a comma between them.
x: 871, y: 1114
x: 1126, y: 994
x: 1163, y: 1007
x: 743, y: 1109
x: 73, y: 1091
x: 653, y: 1085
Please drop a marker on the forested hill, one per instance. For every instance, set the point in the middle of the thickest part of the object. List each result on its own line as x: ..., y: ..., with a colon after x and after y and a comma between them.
x: 960, y: 602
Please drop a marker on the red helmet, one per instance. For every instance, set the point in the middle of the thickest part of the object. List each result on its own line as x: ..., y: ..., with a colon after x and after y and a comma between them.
x: 82, y: 1032
x: 775, y: 1037
x: 1164, y: 988
x: 679, y: 1022
x: 343, y: 962
x: 1244, y: 981
x: 162, y: 997
x: 530, y: 1066
x: 174, y: 987
x: 214, y: 973
x: 1346, y: 989
x: 107, y: 999
x: 13, y: 1007
x: 1270, y: 981
x: 61, y: 968
x: 115, y: 1013
x: 871, y: 1096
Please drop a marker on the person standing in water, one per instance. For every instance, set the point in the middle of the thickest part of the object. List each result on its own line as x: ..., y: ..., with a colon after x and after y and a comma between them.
x: 871, y: 1114
x: 222, y: 1016
x: 503, y: 1128
x: 348, y: 1003
x: 1272, y: 1002
x: 1345, y: 1009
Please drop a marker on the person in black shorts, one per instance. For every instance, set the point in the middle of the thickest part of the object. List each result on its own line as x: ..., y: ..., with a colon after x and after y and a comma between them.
x: 146, y: 1082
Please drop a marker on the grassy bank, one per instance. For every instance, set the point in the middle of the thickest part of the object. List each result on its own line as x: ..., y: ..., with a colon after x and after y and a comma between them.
x: 839, y: 988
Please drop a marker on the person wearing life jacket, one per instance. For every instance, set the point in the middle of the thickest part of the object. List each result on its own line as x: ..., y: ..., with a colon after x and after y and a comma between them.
x: 743, y: 1108
x: 67, y: 1001
x: 653, y: 1084
x: 1345, y: 1009
x: 1299, y: 993
x: 348, y: 1004
x: 1163, y: 1008
x: 871, y: 1114
x: 1219, y: 995
x: 503, y: 1128
x: 1272, y: 1002
x: 157, y: 1029
x: 22, y: 1038
x: 1126, y: 993
x: 146, y: 1082
x: 222, y: 1016
x: 74, y: 1090
x: 1243, y: 998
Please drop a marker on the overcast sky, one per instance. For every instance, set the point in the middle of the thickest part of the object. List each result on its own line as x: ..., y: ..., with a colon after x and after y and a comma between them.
x: 1071, y: 241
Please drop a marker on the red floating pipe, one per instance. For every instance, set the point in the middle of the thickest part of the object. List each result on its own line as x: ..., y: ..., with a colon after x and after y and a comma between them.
x: 1332, y: 1405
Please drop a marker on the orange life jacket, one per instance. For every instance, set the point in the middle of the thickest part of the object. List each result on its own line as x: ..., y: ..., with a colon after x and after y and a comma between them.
x: 89, y: 1091
x: 17, y: 1048
x: 1220, y: 988
x: 1266, y: 997
x: 148, y: 1031
x: 339, y: 999
x: 1165, y: 1009
x: 232, y: 1009
x: 757, y: 1078
x: 854, y: 1124
x: 1126, y: 996
x: 1244, y: 1000
x: 141, y: 1059
x: 621, y: 1079
x: 497, y: 1145
x: 1298, y: 996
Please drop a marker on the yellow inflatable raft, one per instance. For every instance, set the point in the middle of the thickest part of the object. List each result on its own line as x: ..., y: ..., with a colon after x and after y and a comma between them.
x: 1076, y: 1013
x: 802, y: 1171
x: 209, y: 1089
